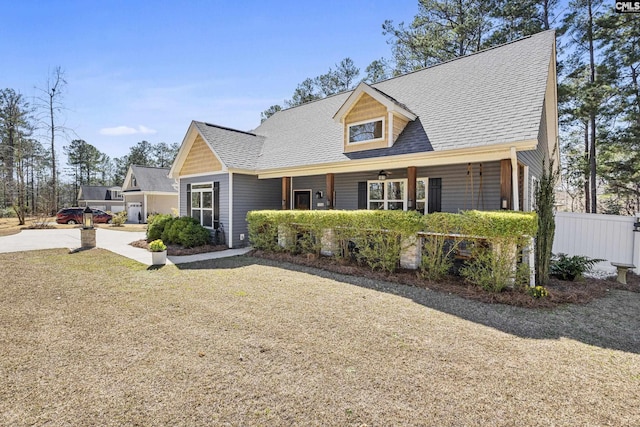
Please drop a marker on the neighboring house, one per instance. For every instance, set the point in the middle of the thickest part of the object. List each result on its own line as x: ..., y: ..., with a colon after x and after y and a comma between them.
x: 149, y: 191
x: 471, y: 133
x: 101, y: 197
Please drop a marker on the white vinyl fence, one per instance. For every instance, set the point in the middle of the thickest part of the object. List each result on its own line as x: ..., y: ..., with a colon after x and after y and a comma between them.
x: 609, y: 237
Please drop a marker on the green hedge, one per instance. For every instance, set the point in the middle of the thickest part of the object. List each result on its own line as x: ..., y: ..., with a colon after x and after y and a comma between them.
x: 184, y: 231
x: 376, y: 237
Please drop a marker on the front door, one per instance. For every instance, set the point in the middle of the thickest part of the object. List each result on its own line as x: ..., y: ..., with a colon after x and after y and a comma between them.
x: 302, y: 199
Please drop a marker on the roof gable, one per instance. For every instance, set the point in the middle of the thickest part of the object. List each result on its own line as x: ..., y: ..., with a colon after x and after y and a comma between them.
x: 149, y: 179
x: 364, y: 89
x: 217, y: 148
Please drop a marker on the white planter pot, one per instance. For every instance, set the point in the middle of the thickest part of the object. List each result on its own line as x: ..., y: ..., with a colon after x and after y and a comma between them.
x: 159, y: 258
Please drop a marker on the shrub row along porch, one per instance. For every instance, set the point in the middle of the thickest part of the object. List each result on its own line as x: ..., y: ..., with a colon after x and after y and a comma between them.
x: 492, y: 244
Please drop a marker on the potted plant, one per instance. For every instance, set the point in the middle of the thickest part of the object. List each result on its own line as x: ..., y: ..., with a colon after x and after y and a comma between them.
x: 158, y: 252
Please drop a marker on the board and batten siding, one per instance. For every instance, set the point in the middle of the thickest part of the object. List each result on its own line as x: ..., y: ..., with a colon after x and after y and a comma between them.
x: 456, y: 186
x: 223, y: 179
x: 251, y: 193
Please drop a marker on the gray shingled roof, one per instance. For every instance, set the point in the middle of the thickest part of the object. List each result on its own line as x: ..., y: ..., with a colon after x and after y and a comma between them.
x: 236, y: 149
x: 153, y: 179
x: 491, y: 97
x: 95, y: 192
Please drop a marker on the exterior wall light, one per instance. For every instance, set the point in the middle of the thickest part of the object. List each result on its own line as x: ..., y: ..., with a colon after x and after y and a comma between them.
x: 636, y: 225
x: 382, y: 175
x: 504, y: 203
x: 319, y: 194
x: 87, y: 218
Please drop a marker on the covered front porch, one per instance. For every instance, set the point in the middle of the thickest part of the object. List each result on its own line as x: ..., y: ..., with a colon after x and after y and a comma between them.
x: 490, y: 185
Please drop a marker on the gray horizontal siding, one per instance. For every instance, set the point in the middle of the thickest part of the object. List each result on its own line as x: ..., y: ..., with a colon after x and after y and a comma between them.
x: 535, y: 158
x: 223, y: 179
x: 314, y: 183
x: 250, y: 193
x: 456, y: 186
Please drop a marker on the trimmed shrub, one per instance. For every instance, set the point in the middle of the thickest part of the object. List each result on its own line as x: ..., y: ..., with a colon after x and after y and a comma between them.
x: 185, y: 231
x: 193, y: 234
x: 156, y: 226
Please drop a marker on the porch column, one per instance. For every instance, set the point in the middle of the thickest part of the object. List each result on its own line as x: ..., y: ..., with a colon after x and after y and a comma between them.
x: 286, y: 192
x: 330, y: 191
x: 505, y: 184
x: 412, y: 175
x: 514, y: 180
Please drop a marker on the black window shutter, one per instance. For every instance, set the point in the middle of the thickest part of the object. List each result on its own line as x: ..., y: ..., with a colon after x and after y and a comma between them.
x: 188, y: 199
x: 216, y: 205
x: 362, y: 195
x: 435, y: 195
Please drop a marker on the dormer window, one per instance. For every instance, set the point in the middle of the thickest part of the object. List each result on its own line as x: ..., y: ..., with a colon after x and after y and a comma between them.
x: 366, y: 131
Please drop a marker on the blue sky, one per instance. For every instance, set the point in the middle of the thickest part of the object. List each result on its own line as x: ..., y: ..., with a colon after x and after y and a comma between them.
x: 144, y: 69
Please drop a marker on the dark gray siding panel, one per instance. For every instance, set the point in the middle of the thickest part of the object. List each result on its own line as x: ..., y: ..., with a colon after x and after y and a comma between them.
x: 223, y: 179
x: 314, y: 183
x: 464, y: 188
x: 535, y: 158
x: 251, y: 193
x: 456, y: 186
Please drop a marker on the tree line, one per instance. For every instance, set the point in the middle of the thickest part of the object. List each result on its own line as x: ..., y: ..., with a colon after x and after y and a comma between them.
x: 598, y: 90
x: 31, y: 181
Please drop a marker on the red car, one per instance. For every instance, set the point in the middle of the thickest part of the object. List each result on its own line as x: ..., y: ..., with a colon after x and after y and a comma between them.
x: 74, y: 216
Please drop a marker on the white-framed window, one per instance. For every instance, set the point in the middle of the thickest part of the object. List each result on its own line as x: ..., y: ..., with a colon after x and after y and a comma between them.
x: 390, y: 194
x: 422, y: 195
x: 116, y: 195
x: 366, y: 131
x: 201, y: 206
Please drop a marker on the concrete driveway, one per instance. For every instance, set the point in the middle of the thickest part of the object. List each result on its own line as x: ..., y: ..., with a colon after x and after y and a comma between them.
x: 114, y: 241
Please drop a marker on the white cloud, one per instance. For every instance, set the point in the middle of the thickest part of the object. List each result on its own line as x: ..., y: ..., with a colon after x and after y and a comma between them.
x: 127, y: 130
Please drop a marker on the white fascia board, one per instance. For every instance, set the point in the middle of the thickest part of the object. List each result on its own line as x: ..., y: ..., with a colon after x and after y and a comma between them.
x: 185, y: 148
x: 431, y: 158
x: 365, y: 88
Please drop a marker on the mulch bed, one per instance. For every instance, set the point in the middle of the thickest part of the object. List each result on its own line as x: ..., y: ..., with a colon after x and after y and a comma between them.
x: 177, y: 250
x: 560, y: 292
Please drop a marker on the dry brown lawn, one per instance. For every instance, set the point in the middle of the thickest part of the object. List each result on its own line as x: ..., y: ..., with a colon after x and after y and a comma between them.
x: 92, y: 338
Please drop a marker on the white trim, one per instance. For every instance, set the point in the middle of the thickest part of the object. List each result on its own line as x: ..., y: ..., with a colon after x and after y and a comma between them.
x: 431, y: 158
x: 389, y: 129
x: 144, y: 208
x: 525, y: 191
x: 180, y: 195
x: 310, y: 191
x: 199, y: 175
x: 532, y: 200
x: 385, y: 201
x: 185, y: 148
x: 364, y: 122
x: 230, y: 244
x: 514, y: 180
x: 426, y: 194
x: 291, y: 193
x: 353, y: 99
x: 201, y: 208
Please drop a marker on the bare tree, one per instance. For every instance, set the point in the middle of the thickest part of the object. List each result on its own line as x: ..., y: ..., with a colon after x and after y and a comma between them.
x: 50, y: 104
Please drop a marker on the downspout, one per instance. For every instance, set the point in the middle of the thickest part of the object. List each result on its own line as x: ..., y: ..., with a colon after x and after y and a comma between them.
x: 514, y: 180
